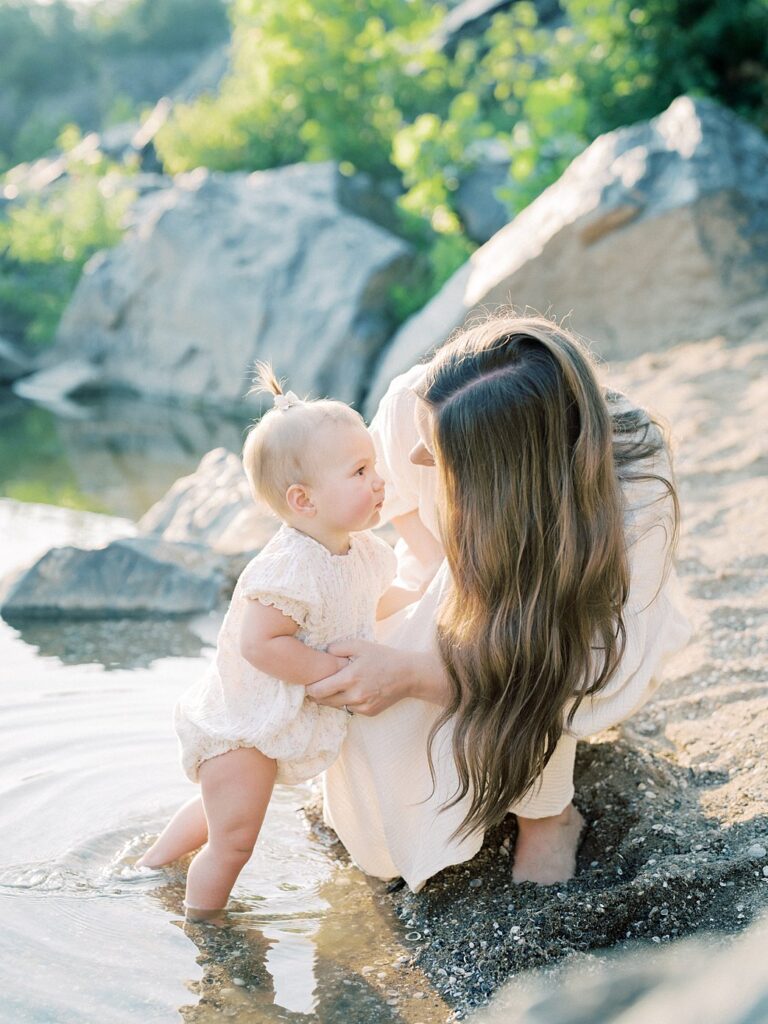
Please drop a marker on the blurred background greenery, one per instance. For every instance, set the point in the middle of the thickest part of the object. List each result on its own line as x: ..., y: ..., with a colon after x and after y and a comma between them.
x: 380, y: 86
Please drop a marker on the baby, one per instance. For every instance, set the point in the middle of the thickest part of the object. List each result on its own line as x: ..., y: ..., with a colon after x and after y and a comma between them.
x: 322, y: 578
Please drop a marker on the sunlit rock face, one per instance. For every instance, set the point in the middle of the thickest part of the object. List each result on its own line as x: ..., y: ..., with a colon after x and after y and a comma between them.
x: 212, y: 506
x: 222, y: 269
x: 655, y: 233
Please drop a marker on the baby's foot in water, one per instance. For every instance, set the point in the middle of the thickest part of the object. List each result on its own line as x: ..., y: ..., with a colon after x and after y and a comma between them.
x: 126, y: 864
x: 545, y: 851
x: 198, y: 915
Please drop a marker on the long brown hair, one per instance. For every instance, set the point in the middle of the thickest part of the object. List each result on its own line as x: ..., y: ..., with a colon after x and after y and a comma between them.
x: 532, y: 463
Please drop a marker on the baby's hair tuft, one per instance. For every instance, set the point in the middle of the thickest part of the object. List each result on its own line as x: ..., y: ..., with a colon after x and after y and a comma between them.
x: 265, y: 381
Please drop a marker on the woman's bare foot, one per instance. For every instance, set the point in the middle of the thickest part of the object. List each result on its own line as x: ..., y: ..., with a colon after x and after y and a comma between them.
x: 545, y: 851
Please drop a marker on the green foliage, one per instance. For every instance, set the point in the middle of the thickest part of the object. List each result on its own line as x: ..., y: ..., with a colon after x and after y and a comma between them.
x: 633, y: 59
x: 44, y: 243
x: 58, y: 55
x: 441, y: 258
x: 312, y: 80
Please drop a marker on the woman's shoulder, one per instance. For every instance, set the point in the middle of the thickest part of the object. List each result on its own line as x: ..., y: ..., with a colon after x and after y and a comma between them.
x: 399, y: 399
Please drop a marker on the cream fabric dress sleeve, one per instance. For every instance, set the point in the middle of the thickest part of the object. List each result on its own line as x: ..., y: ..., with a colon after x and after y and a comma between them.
x: 379, y: 796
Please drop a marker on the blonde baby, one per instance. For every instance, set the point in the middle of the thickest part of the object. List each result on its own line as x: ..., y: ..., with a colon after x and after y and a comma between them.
x: 321, y: 579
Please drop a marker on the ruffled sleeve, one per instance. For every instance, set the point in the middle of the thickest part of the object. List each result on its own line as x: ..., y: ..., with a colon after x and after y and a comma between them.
x: 286, y: 576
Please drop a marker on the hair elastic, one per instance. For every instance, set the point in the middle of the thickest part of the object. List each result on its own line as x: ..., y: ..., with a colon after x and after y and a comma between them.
x: 285, y: 401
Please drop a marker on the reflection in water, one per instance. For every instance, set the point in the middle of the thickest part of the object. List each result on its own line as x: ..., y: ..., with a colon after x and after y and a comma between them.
x: 291, y: 963
x: 119, y: 454
x: 116, y: 643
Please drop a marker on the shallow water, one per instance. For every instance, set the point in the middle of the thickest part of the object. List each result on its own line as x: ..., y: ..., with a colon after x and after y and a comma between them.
x: 116, y: 454
x: 88, y: 772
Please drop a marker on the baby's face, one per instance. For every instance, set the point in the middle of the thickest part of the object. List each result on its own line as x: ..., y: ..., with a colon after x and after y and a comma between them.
x: 346, y: 489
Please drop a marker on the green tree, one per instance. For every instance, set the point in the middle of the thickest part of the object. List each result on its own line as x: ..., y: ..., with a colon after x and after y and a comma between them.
x: 45, y: 242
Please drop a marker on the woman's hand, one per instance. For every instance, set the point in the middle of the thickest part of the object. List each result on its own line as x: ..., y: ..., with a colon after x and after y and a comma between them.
x: 371, y: 680
x: 377, y: 676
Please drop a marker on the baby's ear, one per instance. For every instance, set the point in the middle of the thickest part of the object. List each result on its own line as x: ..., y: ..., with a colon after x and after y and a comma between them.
x: 299, y: 500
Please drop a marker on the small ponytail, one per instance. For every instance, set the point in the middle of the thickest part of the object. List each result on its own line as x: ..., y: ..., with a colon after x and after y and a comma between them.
x: 265, y: 381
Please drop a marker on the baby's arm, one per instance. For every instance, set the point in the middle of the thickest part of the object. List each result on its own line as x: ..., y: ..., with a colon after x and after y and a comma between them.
x: 268, y: 642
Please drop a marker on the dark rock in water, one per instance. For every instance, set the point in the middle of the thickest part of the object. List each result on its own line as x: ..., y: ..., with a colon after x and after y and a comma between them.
x: 657, y: 232
x: 137, y: 576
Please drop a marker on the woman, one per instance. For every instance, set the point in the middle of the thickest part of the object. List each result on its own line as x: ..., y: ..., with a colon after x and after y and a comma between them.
x: 547, y: 620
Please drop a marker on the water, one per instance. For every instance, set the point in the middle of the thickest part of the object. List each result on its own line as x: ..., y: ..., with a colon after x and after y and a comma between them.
x: 117, y: 454
x: 89, y: 772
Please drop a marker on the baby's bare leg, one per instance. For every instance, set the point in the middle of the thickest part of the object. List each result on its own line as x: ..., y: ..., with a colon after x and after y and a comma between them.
x: 236, y: 790
x: 186, y: 831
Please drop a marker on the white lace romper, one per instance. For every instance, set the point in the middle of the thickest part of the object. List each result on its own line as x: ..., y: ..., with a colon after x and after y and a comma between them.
x: 331, y: 598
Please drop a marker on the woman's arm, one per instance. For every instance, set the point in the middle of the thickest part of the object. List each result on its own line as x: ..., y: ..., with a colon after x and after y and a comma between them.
x: 421, y: 542
x: 394, y: 599
x: 268, y: 642
x: 378, y: 677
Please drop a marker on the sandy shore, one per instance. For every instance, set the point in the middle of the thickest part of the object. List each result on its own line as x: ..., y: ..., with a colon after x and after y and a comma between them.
x: 677, y: 798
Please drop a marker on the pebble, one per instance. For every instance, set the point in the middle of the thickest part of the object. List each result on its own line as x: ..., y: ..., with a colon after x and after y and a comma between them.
x: 475, y: 883
x: 757, y: 850
x: 765, y: 870
x: 238, y: 981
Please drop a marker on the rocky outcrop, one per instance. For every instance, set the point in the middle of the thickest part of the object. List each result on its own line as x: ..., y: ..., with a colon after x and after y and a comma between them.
x: 212, y: 506
x: 482, y: 212
x: 656, y: 232
x: 696, y: 981
x: 219, y: 270
x: 134, y: 576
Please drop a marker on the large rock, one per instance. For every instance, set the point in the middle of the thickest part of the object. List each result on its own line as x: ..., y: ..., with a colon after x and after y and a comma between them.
x: 212, y: 506
x: 134, y: 576
x: 482, y: 212
x: 221, y: 269
x: 656, y: 233
x: 693, y: 982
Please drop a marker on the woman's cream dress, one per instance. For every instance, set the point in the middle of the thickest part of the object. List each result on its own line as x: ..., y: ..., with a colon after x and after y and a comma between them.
x: 378, y: 796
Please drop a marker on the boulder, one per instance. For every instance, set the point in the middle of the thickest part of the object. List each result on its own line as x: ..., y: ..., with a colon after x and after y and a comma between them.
x: 221, y: 269
x: 690, y: 982
x: 130, y: 577
x: 212, y: 506
x: 655, y: 233
x: 482, y: 212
